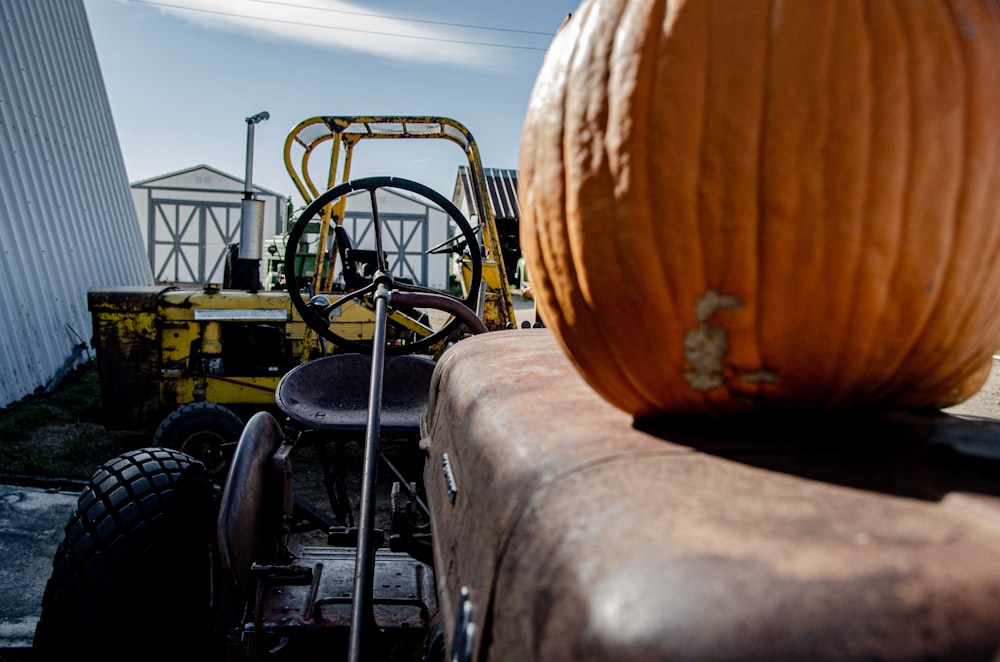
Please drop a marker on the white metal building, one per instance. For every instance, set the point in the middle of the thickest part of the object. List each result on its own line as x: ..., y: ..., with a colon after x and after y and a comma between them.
x: 66, y: 217
x: 188, y: 218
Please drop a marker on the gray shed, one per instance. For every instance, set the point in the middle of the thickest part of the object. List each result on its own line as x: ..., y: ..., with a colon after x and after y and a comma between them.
x: 189, y: 217
x: 66, y: 218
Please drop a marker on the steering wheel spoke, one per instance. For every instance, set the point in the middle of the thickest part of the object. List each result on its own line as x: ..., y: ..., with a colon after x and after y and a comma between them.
x: 417, y: 324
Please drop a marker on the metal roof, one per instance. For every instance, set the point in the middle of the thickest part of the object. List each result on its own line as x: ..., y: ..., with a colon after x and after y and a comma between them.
x: 237, y: 182
x: 501, y: 186
x: 67, y: 221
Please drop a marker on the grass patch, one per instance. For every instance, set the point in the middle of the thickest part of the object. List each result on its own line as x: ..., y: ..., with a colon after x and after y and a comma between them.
x: 59, y: 433
x: 81, y: 394
x: 77, y: 398
x: 21, y: 422
x: 20, y: 458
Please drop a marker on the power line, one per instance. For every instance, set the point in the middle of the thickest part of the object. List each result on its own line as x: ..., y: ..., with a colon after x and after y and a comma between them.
x: 403, y: 18
x: 333, y: 27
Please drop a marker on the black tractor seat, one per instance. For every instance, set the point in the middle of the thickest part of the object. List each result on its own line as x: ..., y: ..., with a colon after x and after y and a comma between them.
x: 331, y: 393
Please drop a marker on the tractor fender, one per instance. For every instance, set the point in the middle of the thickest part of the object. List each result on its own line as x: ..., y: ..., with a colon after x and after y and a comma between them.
x: 256, y: 502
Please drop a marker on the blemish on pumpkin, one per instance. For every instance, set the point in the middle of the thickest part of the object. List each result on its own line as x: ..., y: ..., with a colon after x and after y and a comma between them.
x: 706, y: 346
x: 762, y: 376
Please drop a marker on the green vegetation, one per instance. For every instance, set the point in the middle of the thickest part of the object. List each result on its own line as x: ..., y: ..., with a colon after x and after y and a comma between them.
x: 20, y: 423
x: 78, y: 397
x: 58, y: 433
x: 80, y: 393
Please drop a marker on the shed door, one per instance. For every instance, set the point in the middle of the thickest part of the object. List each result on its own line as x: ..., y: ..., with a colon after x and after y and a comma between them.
x: 404, y: 239
x: 187, y: 240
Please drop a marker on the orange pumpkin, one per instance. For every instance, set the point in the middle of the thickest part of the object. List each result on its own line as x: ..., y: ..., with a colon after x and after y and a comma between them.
x: 730, y: 205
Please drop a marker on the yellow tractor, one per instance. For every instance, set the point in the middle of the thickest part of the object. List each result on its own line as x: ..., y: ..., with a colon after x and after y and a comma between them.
x: 194, y: 364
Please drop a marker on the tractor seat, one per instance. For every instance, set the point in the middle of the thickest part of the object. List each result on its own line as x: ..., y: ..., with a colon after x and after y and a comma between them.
x: 359, y: 264
x: 331, y: 393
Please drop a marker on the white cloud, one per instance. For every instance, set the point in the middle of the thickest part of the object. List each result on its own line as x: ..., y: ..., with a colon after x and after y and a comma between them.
x: 341, y: 25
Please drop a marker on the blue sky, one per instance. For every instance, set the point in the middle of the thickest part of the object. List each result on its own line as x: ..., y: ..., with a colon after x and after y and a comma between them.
x: 182, y: 76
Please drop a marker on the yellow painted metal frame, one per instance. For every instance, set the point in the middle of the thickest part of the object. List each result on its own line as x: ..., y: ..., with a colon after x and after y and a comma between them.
x: 180, y: 329
x: 345, y: 132
x: 147, y: 337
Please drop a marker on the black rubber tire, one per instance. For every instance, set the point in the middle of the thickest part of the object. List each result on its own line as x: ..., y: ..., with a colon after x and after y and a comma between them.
x: 206, y: 431
x: 133, y: 576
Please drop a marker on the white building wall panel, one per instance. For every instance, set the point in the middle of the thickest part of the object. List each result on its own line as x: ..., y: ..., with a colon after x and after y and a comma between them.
x: 188, y: 219
x: 67, y: 221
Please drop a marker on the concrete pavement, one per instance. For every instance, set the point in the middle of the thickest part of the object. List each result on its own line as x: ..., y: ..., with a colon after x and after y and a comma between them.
x: 31, y: 527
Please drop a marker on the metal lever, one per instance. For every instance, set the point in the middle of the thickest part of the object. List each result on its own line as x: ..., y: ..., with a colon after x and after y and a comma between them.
x: 362, y: 615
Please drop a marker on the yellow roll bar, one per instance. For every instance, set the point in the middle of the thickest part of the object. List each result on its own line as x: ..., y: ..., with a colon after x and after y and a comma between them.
x: 346, y: 132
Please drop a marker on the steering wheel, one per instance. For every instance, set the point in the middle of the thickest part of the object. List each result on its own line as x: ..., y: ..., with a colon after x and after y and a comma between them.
x: 317, y: 316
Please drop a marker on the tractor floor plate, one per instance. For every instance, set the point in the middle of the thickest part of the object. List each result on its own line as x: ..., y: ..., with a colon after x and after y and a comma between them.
x: 308, y: 603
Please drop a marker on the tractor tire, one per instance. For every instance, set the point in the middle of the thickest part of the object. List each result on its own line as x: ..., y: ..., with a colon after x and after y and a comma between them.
x: 133, y: 576
x: 206, y: 431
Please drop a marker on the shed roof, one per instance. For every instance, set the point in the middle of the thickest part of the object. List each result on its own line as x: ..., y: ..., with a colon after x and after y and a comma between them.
x: 501, y: 186
x: 237, y: 182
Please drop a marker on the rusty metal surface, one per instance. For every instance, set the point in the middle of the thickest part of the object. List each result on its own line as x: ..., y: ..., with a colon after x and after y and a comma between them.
x: 788, y: 537
x: 124, y: 299
x: 331, y: 393
x: 319, y: 595
x: 255, y: 500
x: 308, y: 601
x: 126, y: 337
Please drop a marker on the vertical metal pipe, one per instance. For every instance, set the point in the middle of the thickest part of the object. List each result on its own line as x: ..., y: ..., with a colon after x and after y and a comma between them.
x: 364, y: 561
x: 377, y: 228
x: 248, y: 178
x: 325, y: 284
x: 252, y: 221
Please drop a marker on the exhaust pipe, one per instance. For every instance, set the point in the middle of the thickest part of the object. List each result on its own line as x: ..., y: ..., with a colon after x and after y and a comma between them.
x: 252, y: 210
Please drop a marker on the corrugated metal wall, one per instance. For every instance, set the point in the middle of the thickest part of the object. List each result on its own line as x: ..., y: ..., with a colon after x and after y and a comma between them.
x: 66, y: 216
